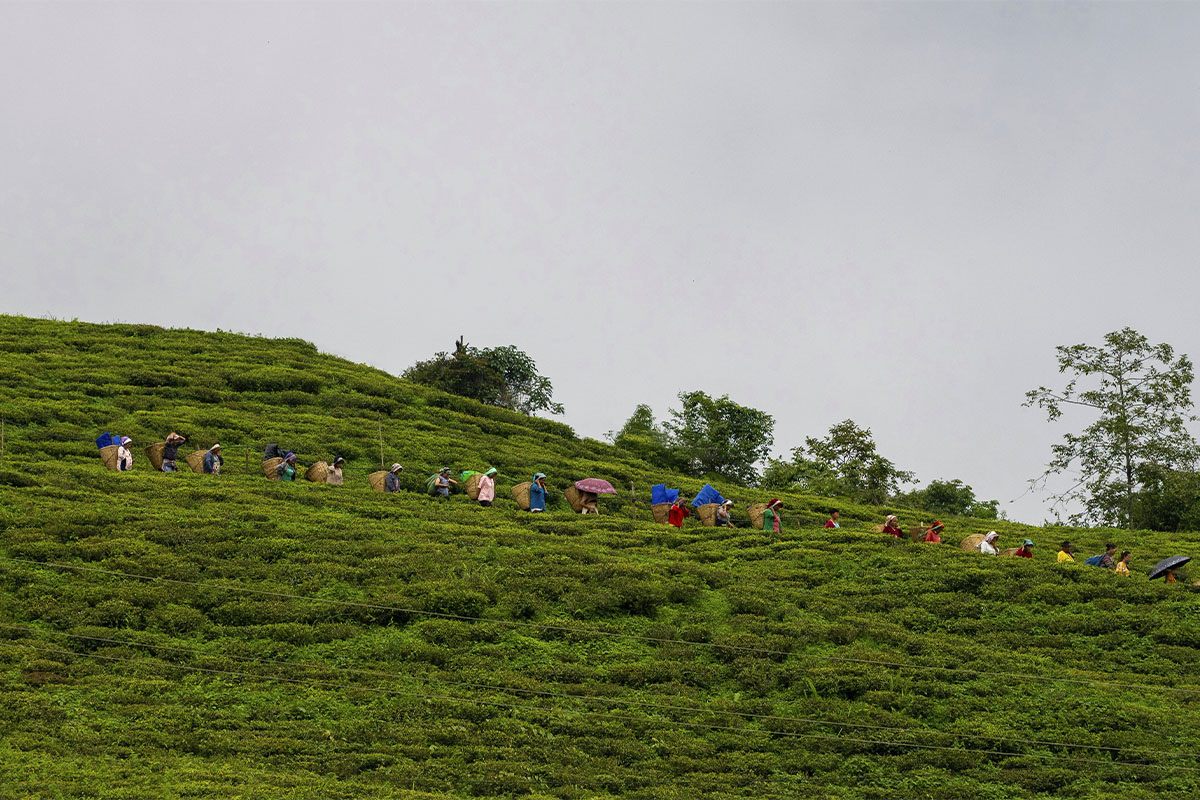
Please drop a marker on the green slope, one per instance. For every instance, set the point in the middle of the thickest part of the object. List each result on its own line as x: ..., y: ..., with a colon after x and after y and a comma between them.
x: 184, y: 636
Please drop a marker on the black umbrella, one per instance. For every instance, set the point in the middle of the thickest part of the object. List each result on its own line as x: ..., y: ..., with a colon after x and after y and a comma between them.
x: 1168, y: 564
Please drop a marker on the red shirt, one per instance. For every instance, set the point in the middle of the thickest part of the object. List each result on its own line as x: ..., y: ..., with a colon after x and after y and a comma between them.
x: 933, y: 537
x: 830, y: 523
x: 1023, y: 553
x: 894, y: 531
x: 676, y: 515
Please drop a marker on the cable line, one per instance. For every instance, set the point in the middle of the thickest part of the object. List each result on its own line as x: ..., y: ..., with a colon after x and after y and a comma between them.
x: 577, y: 630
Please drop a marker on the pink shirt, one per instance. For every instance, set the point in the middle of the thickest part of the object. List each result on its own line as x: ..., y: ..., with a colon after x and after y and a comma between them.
x: 487, y: 488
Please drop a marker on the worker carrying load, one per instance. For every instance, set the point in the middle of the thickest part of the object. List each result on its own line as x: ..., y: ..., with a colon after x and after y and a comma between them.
x: 485, y: 488
x: 679, y: 512
x: 891, y: 526
x: 723, y: 518
x: 1065, y: 553
x: 1105, y: 559
x: 391, y: 481
x: 661, y: 500
x: 772, y: 521
x: 537, y: 493
x: 170, y: 451
x: 438, y: 484
x: 832, y: 522
x: 114, y: 451
x: 988, y: 545
x: 286, y: 469
x: 706, y: 502
x: 583, y: 496
x: 333, y: 475
x: 213, y: 460
x: 1026, y: 549
x: 934, y: 534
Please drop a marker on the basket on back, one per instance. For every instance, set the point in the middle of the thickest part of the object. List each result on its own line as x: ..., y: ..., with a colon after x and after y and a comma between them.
x: 575, y: 498
x: 195, y: 460
x: 317, y: 472
x: 971, y: 542
x: 878, y: 528
x: 520, y: 493
x: 660, y: 512
x: 271, y: 467
x: 473, y: 486
x: 377, y: 480
x: 758, y: 513
x: 917, y: 533
x: 154, y: 453
x: 109, y: 456
x: 1012, y: 551
x: 708, y: 514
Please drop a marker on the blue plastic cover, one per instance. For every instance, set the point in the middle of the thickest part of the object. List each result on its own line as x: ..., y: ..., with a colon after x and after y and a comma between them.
x: 1094, y: 561
x: 707, y: 495
x: 106, y: 439
x: 661, y: 494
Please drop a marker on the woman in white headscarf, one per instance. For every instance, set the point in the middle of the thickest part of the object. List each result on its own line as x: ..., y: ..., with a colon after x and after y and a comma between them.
x: 988, y: 545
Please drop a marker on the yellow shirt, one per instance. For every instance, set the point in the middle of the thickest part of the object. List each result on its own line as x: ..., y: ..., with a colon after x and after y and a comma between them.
x: 1065, y: 556
x: 1122, y: 569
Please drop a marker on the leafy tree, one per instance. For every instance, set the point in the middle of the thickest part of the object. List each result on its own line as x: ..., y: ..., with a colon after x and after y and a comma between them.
x: 950, y: 497
x: 642, y: 437
x: 844, y: 463
x: 718, y: 436
x: 1140, y: 395
x: 499, y: 376
x: 1169, y: 500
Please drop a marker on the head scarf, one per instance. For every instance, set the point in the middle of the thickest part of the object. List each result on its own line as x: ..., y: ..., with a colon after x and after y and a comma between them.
x: 126, y: 440
x: 217, y: 447
x: 339, y: 460
x: 890, y: 519
x: 490, y: 471
x: 537, y: 475
x: 774, y: 501
x: 991, y: 536
x: 937, y: 526
x: 1027, y: 543
x: 290, y: 457
x: 727, y: 503
x: 396, y: 468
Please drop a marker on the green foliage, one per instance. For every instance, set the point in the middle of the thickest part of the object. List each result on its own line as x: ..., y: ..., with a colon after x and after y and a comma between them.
x: 498, y: 376
x: 1141, y: 394
x: 950, y: 497
x: 844, y: 463
x: 643, y: 438
x: 719, y: 437
x: 292, y: 642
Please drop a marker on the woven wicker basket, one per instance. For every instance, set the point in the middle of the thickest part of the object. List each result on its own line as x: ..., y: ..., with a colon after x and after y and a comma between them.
x: 317, y: 472
x: 520, y: 493
x: 195, y: 460
x: 154, y: 453
x: 878, y: 528
x: 575, y: 498
x: 917, y: 533
x: 708, y: 514
x: 971, y: 542
x: 660, y: 512
x: 1012, y: 551
x: 758, y: 515
x: 109, y: 456
x: 473, y: 486
x: 269, y: 468
x: 377, y: 480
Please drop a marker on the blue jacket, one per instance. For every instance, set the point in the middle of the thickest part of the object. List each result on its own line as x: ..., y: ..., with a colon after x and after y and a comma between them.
x: 537, y: 497
x: 212, y: 462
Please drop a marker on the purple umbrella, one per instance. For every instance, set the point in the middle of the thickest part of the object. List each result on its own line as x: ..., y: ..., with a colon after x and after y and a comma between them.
x: 595, y: 486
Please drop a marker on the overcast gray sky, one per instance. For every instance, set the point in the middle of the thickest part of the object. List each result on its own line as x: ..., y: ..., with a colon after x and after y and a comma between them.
x: 885, y: 212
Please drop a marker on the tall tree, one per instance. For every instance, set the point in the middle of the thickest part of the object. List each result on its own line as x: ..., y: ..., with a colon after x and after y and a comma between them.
x: 499, y: 376
x: 844, y: 463
x: 718, y: 436
x: 950, y: 497
x: 1140, y: 396
x: 644, y: 438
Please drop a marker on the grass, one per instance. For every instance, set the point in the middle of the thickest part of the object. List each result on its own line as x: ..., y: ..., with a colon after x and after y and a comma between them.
x: 296, y: 640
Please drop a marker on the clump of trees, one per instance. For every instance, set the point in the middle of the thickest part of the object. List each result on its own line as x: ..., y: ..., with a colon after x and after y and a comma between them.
x: 1136, y: 460
x: 704, y: 436
x: 498, y: 376
x: 950, y: 497
x: 843, y: 463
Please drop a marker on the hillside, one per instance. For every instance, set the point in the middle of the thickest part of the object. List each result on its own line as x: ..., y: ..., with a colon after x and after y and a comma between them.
x: 186, y: 636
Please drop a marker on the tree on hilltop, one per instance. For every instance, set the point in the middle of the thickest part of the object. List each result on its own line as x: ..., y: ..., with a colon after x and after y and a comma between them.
x: 844, y: 463
x: 498, y: 376
x: 719, y: 437
x: 1140, y: 394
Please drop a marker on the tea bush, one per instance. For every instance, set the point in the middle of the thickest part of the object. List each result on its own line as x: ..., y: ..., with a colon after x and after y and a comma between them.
x: 299, y: 640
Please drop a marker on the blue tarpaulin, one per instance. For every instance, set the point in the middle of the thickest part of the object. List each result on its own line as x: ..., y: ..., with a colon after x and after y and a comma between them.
x: 661, y: 494
x: 707, y: 495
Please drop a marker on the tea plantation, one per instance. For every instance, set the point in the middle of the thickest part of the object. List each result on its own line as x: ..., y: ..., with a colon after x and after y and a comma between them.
x: 171, y: 636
